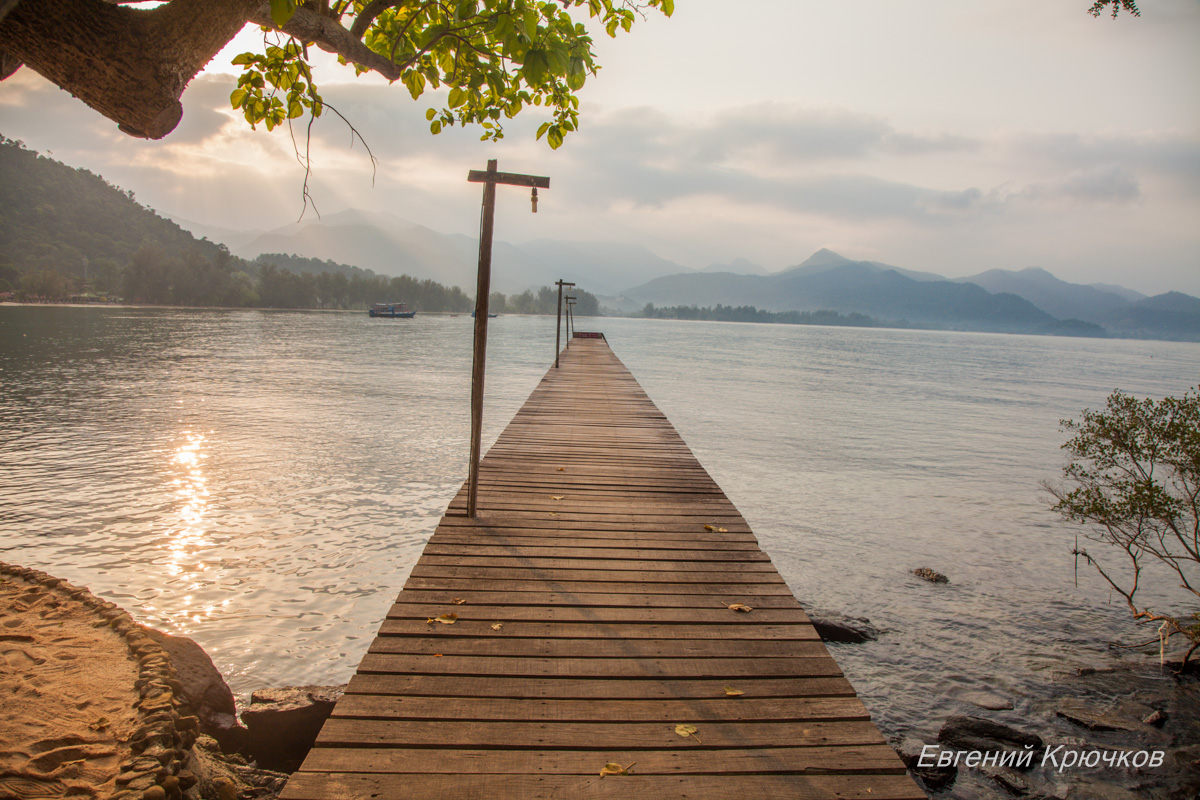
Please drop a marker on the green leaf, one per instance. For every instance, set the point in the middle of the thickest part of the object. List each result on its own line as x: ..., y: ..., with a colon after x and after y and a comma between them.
x: 554, y: 137
x: 244, y: 58
x: 435, y: 127
x: 237, y: 97
x: 430, y: 113
x: 576, y: 74
x: 457, y: 97
x: 415, y: 82
x: 542, y: 129
x: 531, y: 21
x: 282, y: 11
x: 535, y: 67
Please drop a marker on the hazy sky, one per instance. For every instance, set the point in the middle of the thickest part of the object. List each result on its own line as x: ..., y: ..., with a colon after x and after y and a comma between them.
x: 945, y: 135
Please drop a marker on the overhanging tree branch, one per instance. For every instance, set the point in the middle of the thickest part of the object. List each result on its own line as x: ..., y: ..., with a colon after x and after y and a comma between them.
x: 129, y: 64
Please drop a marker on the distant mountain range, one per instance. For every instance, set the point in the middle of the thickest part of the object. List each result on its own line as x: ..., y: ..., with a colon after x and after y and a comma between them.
x: 389, y: 245
x: 1028, y: 301
x: 629, y: 276
x: 64, y: 219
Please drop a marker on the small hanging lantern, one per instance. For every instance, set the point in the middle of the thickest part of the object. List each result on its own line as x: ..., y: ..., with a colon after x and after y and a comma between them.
x: 533, y: 199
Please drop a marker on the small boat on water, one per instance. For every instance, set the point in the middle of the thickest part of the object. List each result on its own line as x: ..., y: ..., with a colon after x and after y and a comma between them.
x: 393, y: 310
x: 490, y: 316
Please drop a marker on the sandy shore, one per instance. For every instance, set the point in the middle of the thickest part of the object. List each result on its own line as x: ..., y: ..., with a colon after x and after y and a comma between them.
x: 68, y: 695
x: 87, y: 700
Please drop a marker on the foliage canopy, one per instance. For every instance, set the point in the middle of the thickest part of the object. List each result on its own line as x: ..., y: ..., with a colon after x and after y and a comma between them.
x: 496, y: 57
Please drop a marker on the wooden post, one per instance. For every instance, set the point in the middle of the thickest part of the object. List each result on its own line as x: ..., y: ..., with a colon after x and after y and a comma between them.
x: 489, y: 179
x: 570, y: 318
x: 558, y: 322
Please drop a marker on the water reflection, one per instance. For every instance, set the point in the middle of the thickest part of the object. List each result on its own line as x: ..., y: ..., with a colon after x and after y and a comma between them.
x: 188, y: 536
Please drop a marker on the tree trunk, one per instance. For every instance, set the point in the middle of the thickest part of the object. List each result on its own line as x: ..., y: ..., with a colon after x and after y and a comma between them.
x: 129, y: 64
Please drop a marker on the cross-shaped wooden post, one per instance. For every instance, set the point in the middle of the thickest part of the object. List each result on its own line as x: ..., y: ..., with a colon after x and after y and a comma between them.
x: 489, y: 179
x: 558, y: 322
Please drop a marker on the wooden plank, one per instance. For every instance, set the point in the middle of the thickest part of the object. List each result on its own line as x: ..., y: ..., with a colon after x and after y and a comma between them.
x: 591, y: 648
x: 873, y: 758
x: 482, y: 626
x: 446, y: 597
x: 358, y: 786
x: 640, y: 587
x: 631, y: 668
x: 339, y: 731
x: 592, y: 596
x: 413, y: 685
x: 806, y: 709
x: 597, y: 615
x: 586, y: 558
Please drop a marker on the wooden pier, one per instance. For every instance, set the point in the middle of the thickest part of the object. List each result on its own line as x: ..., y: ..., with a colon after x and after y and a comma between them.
x: 588, y: 616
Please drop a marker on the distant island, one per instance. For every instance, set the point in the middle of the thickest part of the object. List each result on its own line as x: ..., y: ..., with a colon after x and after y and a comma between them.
x: 68, y: 234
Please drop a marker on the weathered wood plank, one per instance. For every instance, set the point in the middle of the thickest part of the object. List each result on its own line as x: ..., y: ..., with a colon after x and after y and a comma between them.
x: 357, y: 786
x: 851, y: 758
x: 413, y: 685
x: 512, y: 647
x: 597, y: 615
x: 701, y: 712
x: 482, y: 626
x: 567, y: 734
x: 632, y: 668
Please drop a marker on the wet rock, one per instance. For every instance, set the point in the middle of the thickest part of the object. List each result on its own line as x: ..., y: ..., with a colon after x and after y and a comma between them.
x: 1083, y: 715
x: 927, y: 574
x: 975, y: 733
x: 284, y: 723
x: 934, y: 778
x: 203, y: 689
x: 855, y: 632
x: 987, y: 700
x: 1156, y: 718
x: 1009, y: 779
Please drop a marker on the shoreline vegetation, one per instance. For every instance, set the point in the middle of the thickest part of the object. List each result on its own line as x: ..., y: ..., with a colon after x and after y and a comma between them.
x: 544, y: 304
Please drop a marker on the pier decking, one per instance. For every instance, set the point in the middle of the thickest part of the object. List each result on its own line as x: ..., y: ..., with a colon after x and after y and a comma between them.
x: 592, y: 599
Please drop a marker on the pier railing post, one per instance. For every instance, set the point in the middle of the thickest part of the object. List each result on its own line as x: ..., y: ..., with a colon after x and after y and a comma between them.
x: 489, y: 179
x: 558, y: 322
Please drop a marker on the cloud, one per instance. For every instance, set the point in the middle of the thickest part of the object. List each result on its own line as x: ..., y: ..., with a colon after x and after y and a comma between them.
x: 800, y: 160
x: 1170, y: 154
x: 1104, y: 183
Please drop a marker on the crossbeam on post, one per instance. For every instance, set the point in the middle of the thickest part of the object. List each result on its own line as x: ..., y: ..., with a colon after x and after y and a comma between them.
x: 489, y: 178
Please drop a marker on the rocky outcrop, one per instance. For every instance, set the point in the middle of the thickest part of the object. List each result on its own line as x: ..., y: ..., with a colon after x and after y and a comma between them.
x: 975, y: 733
x: 850, y: 632
x: 927, y: 574
x: 987, y: 700
x: 228, y: 776
x: 934, y: 778
x: 205, y: 691
x: 283, y: 723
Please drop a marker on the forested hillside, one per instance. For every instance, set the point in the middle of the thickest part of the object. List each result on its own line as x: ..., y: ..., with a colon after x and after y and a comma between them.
x: 69, y: 221
x: 66, y: 233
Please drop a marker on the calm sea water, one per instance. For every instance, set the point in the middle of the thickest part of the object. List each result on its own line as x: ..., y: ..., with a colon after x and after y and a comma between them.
x: 263, y: 481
